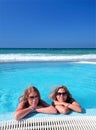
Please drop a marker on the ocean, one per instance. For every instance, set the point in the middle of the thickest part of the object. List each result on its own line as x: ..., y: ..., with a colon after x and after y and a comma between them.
x: 47, y: 54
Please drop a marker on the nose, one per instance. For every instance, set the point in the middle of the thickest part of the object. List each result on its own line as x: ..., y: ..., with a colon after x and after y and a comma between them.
x: 34, y: 99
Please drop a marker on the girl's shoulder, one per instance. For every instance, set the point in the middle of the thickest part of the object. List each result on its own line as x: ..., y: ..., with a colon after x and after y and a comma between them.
x: 22, y: 104
x: 71, y: 100
x: 43, y: 103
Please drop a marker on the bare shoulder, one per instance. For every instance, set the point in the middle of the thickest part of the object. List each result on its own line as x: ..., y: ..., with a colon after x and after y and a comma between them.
x: 20, y: 106
x: 43, y: 103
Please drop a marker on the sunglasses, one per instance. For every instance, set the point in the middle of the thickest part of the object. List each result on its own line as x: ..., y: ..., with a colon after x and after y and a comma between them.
x: 59, y: 94
x: 33, y: 97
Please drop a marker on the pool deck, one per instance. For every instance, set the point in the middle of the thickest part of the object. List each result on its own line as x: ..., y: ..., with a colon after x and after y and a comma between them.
x: 10, y: 116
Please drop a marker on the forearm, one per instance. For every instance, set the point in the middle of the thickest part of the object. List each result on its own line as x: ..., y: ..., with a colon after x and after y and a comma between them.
x: 47, y: 110
x: 73, y: 107
x: 19, y: 114
x: 62, y: 109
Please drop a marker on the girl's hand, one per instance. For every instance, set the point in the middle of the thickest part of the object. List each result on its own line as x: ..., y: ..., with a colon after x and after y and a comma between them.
x: 57, y: 103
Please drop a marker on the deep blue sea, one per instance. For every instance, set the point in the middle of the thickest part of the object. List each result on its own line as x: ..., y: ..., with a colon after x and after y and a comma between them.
x: 46, y: 69
x: 48, y: 54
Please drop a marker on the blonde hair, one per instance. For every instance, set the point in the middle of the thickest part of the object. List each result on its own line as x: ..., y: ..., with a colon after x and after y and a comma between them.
x: 29, y: 90
x: 54, y: 92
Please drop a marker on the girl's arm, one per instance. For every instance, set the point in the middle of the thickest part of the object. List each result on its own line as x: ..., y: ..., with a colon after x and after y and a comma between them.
x: 74, y: 106
x: 62, y: 109
x: 22, y: 112
x: 47, y: 110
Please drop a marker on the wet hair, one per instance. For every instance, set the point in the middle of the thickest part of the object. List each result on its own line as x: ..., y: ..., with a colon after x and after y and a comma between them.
x: 25, y: 96
x: 54, y: 92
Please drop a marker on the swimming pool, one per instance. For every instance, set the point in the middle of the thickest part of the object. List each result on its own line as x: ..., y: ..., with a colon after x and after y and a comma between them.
x: 15, y: 77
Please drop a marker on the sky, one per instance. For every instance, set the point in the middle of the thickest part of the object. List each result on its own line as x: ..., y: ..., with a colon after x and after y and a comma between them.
x: 47, y: 24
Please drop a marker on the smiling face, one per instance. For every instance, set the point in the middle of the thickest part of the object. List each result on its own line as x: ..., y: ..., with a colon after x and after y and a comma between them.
x: 61, y: 95
x: 33, y: 99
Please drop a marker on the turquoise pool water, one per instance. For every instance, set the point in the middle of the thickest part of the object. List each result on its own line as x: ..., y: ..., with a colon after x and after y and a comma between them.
x: 15, y: 77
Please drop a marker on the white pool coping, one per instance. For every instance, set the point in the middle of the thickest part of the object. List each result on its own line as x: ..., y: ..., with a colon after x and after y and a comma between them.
x: 10, y: 116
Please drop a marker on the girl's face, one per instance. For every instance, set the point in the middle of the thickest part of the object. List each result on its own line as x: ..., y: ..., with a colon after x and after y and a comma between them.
x: 33, y: 99
x: 61, y: 95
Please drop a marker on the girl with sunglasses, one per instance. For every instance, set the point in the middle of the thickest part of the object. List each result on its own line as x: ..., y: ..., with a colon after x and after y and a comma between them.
x: 63, y: 101
x: 31, y: 102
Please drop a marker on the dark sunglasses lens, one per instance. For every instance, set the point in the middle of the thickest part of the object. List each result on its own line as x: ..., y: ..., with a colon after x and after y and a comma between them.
x: 58, y: 93
x: 33, y: 97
